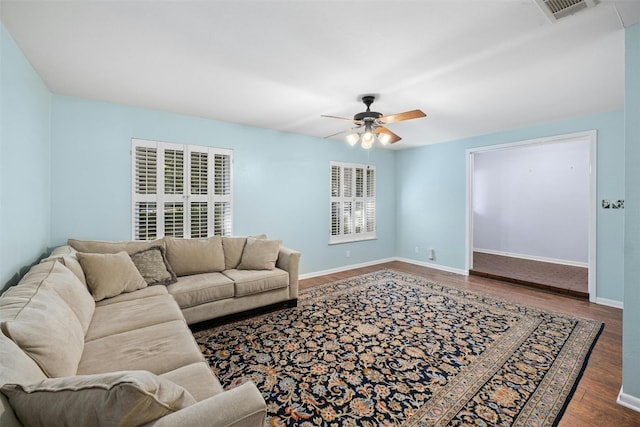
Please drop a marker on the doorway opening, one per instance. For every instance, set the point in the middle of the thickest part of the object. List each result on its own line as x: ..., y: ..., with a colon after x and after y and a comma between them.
x: 531, y: 213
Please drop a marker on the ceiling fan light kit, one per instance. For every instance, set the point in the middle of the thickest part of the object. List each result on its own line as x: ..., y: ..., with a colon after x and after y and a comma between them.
x: 373, y: 122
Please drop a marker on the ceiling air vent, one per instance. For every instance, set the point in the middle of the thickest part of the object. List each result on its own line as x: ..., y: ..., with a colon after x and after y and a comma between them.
x: 556, y: 9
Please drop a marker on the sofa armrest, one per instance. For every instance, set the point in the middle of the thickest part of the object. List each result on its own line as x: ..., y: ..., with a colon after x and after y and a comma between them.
x: 242, y: 406
x: 289, y: 261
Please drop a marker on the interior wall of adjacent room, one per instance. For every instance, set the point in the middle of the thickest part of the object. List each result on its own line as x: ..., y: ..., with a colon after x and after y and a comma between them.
x: 432, y: 200
x: 532, y: 201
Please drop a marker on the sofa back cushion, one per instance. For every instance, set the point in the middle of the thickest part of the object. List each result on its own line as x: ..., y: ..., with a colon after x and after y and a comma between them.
x: 68, y: 286
x: 193, y: 256
x: 104, y: 247
x: 41, y: 323
x: 67, y: 256
x: 109, y: 275
x: 124, y: 398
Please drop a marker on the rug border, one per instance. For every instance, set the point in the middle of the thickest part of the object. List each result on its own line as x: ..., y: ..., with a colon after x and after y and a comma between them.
x: 579, y: 376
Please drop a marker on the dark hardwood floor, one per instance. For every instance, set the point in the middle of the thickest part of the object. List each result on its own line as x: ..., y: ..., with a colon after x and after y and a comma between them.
x: 594, y: 401
x: 546, y: 275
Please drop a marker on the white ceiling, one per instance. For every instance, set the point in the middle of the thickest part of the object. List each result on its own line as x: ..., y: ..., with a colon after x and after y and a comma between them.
x: 474, y: 66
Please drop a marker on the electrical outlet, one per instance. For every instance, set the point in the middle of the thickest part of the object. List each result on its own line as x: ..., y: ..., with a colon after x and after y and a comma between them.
x: 348, y: 254
x: 613, y: 204
x: 417, y: 249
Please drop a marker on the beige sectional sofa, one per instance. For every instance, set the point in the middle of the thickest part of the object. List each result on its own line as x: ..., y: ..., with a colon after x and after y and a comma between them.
x: 217, y: 276
x: 97, y: 333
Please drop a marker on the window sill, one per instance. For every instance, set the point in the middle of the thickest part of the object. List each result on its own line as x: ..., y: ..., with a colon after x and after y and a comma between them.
x: 362, y: 239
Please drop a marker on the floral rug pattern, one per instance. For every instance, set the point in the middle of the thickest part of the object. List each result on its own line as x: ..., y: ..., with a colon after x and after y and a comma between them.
x: 388, y: 348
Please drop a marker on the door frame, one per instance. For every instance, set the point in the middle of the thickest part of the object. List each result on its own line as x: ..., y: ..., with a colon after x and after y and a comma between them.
x: 592, y: 136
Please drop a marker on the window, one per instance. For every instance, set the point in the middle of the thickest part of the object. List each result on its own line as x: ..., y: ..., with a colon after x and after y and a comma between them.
x: 353, y: 202
x: 180, y: 190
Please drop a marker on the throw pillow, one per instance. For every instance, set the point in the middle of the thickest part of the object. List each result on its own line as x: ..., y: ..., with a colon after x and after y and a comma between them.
x: 233, y: 247
x: 194, y: 256
x: 116, y: 398
x: 259, y: 254
x: 109, y: 275
x: 154, y: 267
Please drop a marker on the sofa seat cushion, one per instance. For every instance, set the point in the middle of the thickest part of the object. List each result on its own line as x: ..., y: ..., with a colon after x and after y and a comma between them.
x: 118, y: 398
x: 197, y: 379
x: 159, y: 348
x: 128, y: 315
x: 249, y: 282
x: 199, y: 289
x: 149, y: 291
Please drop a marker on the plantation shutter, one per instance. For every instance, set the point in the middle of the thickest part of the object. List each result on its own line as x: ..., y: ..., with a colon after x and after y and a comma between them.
x: 199, y: 205
x: 352, y: 202
x: 173, y: 198
x: 179, y: 190
x: 222, y: 195
x: 145, y: 179
x: 370, y: 203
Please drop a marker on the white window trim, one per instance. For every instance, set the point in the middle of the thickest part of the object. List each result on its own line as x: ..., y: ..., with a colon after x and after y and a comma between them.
x: 160, y: 197
x: 341, y: 199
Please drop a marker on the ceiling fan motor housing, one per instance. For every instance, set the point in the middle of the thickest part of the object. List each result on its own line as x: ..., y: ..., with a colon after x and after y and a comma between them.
x: 367, y: 116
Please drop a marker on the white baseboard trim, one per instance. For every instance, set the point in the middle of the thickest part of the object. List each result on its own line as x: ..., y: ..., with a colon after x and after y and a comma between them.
x: 534, y: 258
x: 344, y: 268
x: 381, y: 261
x: 609, y: 302
x: 628, y: 401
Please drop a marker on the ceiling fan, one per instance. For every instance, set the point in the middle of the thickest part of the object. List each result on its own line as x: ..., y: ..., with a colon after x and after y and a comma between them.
x: 373, y: 123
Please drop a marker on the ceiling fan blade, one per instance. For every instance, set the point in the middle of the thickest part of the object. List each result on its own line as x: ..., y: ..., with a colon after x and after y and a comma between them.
x: 407, y: 115
x: 393, y: 138
x: 335, y: 117
x: 342, y: 131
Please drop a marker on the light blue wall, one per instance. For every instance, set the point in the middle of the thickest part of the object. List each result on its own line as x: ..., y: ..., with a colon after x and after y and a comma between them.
x: 281, y: 180
x: 81, y: 188
x: 431, y: 192
x: 25, y: 106
x: 631, y: 314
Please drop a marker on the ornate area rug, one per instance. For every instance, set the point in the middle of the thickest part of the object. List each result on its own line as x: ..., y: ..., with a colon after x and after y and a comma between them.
x: 388, y: 348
